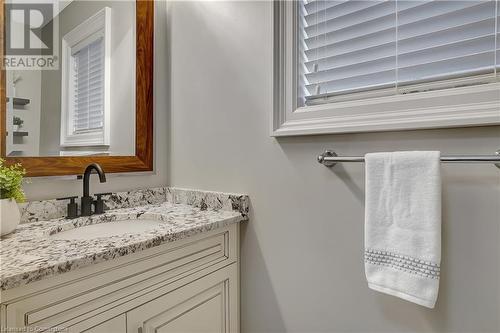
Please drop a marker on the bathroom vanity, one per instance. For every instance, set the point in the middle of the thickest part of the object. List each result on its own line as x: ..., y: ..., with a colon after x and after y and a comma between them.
x: 179, y: 273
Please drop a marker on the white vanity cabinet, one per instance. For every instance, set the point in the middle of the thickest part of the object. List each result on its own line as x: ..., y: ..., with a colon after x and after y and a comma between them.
x: 203, y: 305
x: 190, y: 285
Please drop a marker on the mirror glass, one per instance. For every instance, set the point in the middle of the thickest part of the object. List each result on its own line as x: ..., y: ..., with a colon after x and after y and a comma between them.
x: 70, y: 78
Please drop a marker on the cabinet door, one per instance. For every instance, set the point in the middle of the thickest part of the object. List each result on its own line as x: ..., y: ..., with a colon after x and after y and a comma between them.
x: 209, y: 305
x: 115, y: 325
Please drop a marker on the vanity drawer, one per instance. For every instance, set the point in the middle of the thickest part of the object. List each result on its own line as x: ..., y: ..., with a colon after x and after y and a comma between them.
x: 100, y: 289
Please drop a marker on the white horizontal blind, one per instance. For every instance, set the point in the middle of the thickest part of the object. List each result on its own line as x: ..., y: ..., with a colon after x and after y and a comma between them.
x: 352, y: 49
x: 88, y: 76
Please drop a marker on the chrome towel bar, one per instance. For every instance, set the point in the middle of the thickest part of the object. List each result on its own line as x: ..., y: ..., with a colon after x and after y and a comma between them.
x: 330, y: 158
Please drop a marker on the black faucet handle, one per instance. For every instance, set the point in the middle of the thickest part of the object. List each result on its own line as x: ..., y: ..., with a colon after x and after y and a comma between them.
x: 99, y: 195
x: 72, y: 211
x: 71, y: 199
x: 99, y: 204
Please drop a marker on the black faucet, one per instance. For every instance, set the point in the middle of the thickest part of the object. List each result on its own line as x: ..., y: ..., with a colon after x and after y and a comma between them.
x: 87, y: 200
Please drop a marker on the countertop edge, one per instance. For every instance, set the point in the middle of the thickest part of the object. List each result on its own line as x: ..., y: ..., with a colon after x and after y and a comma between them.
x: 19, y: 280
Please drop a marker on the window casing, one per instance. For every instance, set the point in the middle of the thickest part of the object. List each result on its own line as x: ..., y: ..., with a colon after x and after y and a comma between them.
x: 85, y: 83
x: 353, y: 66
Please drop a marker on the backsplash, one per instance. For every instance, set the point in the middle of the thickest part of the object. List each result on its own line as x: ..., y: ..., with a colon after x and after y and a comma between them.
x: 209, y: 199
x: 134, y: 198
x: 34, y: 211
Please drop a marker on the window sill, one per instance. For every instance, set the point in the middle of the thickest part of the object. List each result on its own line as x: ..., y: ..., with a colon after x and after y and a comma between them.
x: 91, y: 139
x: 458, y: 107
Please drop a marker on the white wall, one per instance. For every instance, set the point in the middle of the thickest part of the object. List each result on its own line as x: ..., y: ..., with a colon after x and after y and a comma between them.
x: 27, y: 87
x: 302, y: 251
x: 58, y: 187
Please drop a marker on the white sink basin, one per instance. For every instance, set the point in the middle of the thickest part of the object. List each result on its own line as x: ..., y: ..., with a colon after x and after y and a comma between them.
x: 107, y: 229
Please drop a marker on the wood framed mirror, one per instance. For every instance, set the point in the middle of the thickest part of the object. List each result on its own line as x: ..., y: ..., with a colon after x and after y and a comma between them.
x: 72, y: 161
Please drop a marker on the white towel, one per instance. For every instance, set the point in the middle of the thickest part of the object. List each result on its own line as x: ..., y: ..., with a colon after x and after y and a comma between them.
x: 403, y: 224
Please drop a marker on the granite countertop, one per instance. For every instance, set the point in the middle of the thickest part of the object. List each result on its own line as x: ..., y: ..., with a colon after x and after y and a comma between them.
x: 30, y: 254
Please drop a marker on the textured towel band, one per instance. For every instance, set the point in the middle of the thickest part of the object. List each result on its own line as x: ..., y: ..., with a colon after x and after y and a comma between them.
x: 403, y: 263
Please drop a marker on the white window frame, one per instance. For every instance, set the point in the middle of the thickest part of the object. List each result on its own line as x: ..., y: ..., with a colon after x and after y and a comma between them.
x: 477, y: 105
x: 97, y: 26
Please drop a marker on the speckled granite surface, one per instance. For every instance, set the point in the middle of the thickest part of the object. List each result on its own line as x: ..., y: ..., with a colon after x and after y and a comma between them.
x: 208, y: 199
x: 30, y: 254
x: 34, y: 211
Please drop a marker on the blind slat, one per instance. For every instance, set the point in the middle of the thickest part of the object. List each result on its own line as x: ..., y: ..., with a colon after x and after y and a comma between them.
x: 375, y: 12
x: 373, y: 66
x: 316, y: 6
x: 361, y: 42
x: 358, y: 56
x: 312, y: 17
x: 421, y: 57
x: 353, y: 31
x: 466, y: 30
x: 375, y: 79
x: 406, y: 28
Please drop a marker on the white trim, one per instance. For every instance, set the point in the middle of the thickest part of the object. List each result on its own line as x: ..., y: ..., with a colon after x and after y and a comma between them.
x: 458, y: 107
x: 96, y: 26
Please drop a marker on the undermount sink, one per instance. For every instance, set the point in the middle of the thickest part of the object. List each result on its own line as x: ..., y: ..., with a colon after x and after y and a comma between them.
x: 107, y: 229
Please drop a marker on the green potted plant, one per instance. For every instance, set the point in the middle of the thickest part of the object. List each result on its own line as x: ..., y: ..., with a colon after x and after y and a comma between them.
x: 18, y: 123
x: 11, y: 192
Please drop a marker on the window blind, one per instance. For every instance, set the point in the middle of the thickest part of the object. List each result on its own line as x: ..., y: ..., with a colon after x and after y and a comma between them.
x: 88, y: 76
x: 356, y: 49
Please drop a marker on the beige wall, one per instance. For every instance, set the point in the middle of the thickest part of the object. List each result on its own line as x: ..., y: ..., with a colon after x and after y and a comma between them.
x: 302, y: 251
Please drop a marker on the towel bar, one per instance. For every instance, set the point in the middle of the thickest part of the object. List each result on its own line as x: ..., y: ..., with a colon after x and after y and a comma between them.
x: 330, y: 158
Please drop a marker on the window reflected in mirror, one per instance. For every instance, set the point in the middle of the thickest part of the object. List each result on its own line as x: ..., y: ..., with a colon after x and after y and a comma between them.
x: 85, y: 104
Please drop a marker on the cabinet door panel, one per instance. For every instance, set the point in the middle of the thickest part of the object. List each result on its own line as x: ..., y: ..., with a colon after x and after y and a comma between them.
x: 115, y: 325
x: 209, y: 304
